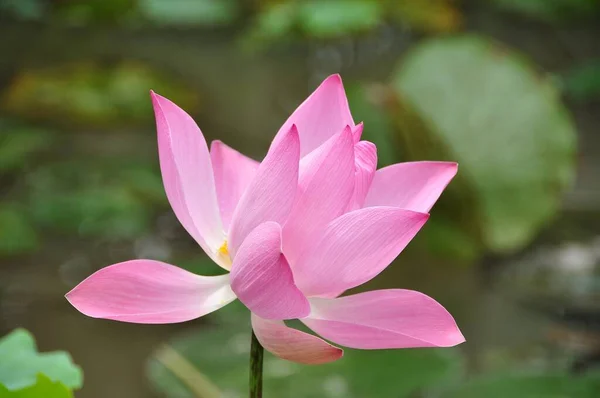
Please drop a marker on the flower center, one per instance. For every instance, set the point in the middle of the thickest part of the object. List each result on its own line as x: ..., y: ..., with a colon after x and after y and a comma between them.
x: 223, y: 256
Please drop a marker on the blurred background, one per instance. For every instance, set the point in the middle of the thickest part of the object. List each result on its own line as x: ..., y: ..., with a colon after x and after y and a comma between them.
x: 508, y: 88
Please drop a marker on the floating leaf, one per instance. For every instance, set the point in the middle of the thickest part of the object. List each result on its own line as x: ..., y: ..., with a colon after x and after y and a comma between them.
x: 21, y: 363
x: 529, y: 386
x: 17, y: 234
x: 219, y: 357
x: 504, y: 124
x: 43, y: 388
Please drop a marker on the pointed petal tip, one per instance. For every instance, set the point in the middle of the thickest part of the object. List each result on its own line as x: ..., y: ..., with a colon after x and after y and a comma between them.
x: 335, y: 78
x: 453, y: 338
x: 215, y: 143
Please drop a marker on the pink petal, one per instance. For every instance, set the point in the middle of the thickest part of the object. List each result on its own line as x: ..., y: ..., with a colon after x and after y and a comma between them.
x: 270, y: 195
x: 262, y: 279
x: 394, y: 318
x: 355, y: 248
x: 357, y: 132
x: 325, y: 187
x: 147, y: 291
x: 233, y: 172
x: 412, y: 185
x: 324, y: 113
x: 365, y: 154
x: 187, y: 174
x: 292, y: 344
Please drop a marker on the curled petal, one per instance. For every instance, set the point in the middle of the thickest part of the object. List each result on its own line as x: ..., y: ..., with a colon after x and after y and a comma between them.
x: 187, y: 174
x: 380, y: 319
x: 325, y: 187
x: 365, y: 164
x: 324, y: 113
x: 262, y: 279
x: 412, y: 185
x: 354, y: 248
x: 233, y: 172
x: 147, y: 291
x: 292, y: 344
x: 357, y: 132
x: 270, y: 195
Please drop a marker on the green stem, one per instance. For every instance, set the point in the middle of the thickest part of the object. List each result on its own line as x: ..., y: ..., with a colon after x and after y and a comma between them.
x: 256, y: 368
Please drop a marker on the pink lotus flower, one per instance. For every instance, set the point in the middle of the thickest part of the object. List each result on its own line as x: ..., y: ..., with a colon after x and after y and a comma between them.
x: 312, y: 220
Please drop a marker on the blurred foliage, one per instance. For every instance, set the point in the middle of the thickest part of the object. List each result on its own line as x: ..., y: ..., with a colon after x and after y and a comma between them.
x: 25, y: 9
x: 268, y: 19
x: 17, y: 233
x: 19, y: 143
x: 275, y: 20
x: 529, y: 386
x: 102, y: 195
x: 113, y: 200
x: 26, y: 373
x: 583, y: 81
x: 87, y: 94
x: 552, y: 10
x: 469, y: 100
x: 221, y: 356
x: 190, y: 12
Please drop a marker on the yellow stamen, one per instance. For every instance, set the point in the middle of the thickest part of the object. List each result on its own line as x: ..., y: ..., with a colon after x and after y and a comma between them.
x: 223, y: 255
x: 223, y: 249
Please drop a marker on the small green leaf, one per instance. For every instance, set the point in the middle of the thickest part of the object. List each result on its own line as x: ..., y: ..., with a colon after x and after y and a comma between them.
x: 21, y: 363
x: 43, y: 388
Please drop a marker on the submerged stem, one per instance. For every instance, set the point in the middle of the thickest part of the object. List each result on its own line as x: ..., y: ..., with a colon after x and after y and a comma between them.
x: 256, y: 367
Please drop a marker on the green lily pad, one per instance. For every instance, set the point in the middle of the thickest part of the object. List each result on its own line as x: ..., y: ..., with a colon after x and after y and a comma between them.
x: 43, y: 388
x: 485, y: 107
x: 219, y: 358
x: 21, y: 363
x: 529, y: 386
